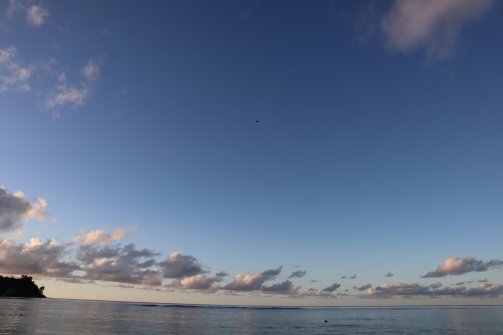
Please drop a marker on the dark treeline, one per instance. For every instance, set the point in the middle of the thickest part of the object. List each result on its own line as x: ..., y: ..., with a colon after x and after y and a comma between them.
x: 23, y: 287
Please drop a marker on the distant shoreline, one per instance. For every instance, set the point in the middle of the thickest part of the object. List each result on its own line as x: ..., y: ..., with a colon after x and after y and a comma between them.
x: 182, y: 305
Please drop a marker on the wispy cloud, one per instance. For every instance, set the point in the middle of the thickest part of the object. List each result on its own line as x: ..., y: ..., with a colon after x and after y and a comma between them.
x: 431, y: 25
x: 101, y: 236
x: 297, y: 274
x: 13, y: 75
x: 59, y: 92
x: 36, y: 15
x: 68, y: 94
x: 458, y: 266
x: 15, y: 208
x: 92, y: 69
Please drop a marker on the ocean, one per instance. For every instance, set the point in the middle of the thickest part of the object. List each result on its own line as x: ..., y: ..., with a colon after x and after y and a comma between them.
x: 60, y: 316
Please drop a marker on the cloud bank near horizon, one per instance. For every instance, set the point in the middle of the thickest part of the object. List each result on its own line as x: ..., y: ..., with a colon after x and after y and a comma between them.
x: 101, y: 256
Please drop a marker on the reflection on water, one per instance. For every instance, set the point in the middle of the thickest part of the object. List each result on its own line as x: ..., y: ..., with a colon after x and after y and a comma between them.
x: 56, y: 316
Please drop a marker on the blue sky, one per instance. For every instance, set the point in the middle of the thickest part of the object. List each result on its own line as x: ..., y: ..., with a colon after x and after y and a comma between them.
x: 235, y: 143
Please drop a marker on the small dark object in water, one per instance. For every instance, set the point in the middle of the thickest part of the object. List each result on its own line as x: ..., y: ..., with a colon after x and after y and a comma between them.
x: 326, y: 320
x: 257, y: 121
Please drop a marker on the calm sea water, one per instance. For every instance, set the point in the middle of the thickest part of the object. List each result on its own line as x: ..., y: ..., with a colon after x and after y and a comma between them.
x: 57, y: 316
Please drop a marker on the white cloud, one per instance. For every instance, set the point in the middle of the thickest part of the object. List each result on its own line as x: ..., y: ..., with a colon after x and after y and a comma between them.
x: 16, y: 208
x: 101, y: 236
x: 13, y: 75
x: 38, y: 210
x: 36, y: 15
x: 432, y: 25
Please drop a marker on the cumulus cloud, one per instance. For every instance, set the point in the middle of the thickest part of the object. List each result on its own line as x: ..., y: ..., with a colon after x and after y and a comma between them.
x: 16, y: 208
x: 35, y: 257
x: 331, y: 288
x: 411, y: 290
x: 13, y: 75
x: 364, y: 287
x: 298, y: 274
x: 458, y: 266
x: 285, y: 287
x: 327, y: 292
x: 124, y: 264
x: 201, y: 282
x: 36, y: 15
x: 247, y: 282
x: 432, y: 25
x: 101, y: 236
x: 177, y: 265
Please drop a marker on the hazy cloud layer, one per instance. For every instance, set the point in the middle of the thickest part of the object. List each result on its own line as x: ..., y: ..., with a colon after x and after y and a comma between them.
x: 16, y: 208
x: 431, y: 25
x: 411, y: 290
x: 458, y: 266
x: 247, y: 282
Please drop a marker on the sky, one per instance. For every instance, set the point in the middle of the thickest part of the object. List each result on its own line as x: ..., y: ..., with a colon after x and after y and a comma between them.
x: 254, y: 152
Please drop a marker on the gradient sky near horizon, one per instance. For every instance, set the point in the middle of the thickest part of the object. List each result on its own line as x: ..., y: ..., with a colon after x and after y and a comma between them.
x: 254, y: 152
